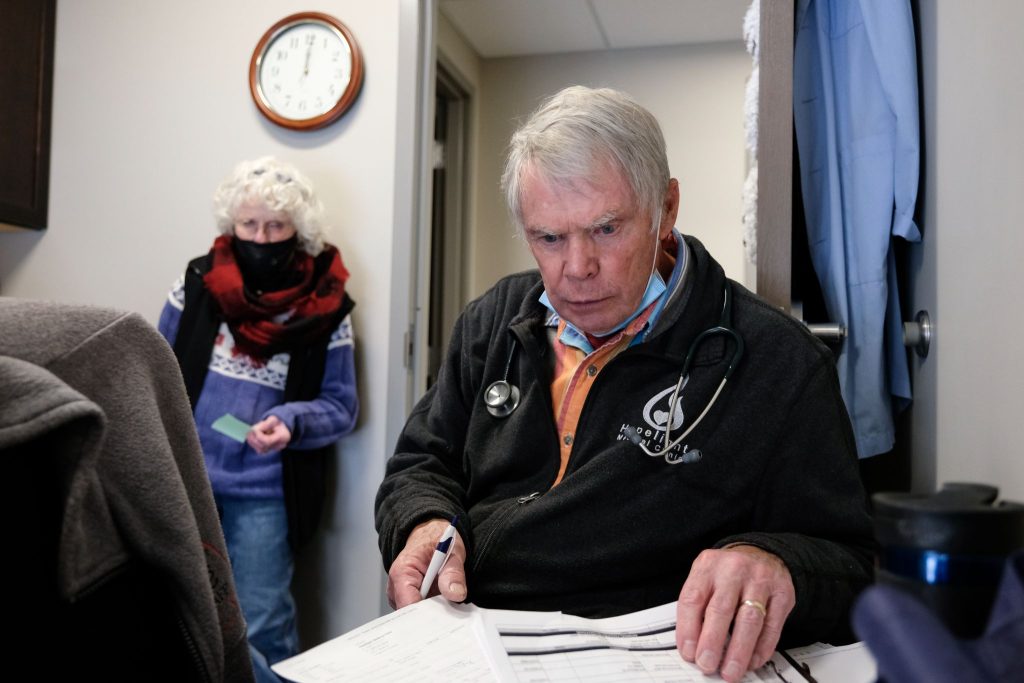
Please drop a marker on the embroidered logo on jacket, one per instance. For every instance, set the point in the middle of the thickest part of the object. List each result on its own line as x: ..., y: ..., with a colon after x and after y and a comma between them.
x: 656, y: 418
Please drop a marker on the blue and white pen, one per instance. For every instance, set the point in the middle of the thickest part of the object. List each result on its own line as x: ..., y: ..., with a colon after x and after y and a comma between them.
x: 441, y: 553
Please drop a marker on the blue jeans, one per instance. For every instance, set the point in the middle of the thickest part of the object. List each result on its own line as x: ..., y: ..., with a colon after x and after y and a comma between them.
x: 256, y: 531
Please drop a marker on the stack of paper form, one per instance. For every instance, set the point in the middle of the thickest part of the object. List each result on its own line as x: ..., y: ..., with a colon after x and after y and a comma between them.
x: 435, y: 640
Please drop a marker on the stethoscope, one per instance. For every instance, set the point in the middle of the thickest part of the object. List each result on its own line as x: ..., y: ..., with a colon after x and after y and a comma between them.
x: 502, y: 397
x: 724, y: 328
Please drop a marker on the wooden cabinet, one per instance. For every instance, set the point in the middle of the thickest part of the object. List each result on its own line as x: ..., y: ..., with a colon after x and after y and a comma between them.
x: 26, y: 86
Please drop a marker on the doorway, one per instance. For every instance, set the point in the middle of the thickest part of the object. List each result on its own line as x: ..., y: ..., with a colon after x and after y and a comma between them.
x: 447, y: 217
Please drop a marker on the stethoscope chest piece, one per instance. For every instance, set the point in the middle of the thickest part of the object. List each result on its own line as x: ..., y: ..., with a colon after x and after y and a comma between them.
x: 501, y: 398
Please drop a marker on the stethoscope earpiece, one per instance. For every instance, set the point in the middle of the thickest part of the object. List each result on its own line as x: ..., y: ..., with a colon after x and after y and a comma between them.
x: 501, y: 398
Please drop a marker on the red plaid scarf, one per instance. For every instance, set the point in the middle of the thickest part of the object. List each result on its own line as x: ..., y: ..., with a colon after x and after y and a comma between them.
x: 312, y: 302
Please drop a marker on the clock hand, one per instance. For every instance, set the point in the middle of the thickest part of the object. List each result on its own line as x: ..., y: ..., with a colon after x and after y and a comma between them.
x: 305, y: 70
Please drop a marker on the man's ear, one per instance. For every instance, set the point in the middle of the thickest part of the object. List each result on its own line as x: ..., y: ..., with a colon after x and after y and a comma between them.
x: 669, y: 209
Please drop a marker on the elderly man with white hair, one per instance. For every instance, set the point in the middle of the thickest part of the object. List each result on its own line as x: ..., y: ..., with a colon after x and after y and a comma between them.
x: 625, y: 426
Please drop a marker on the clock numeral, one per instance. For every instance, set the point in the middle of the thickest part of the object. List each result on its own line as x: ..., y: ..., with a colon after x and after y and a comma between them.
x: 281, y: 55
x: 319, y: 102
x: 275, y: 71
x: 336, y: 55
x: 310, y: 39
x: 293, y: 42
x: 302, y: 105
x: 331, y: 91
x: 277, y: 87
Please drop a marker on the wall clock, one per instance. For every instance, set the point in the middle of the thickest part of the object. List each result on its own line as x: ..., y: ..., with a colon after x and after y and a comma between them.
x: 306, y: 71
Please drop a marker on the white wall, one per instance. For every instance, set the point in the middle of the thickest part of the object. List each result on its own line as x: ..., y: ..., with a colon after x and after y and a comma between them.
x: 457, y: 53
x: 151, y: 109
x: 969, y: 392
x: 695, y: 91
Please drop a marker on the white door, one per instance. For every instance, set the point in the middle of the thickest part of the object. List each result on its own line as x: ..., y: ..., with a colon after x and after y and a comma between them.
x: 968, y: 415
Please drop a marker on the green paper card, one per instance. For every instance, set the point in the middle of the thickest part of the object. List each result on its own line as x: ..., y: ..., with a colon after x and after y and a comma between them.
x: 231, y: 427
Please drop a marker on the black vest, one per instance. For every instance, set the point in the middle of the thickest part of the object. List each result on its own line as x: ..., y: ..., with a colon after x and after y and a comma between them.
x: 304, y: 473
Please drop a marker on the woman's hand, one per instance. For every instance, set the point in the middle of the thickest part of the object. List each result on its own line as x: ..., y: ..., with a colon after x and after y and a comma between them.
x: 268, y: 435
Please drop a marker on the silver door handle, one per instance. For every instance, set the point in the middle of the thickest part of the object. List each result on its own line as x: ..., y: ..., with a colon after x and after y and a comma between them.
x: 918, y: 333
x: 827, y: 332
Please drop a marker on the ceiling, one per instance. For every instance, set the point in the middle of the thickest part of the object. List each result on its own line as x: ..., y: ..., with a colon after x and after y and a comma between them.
x: 507, y: 28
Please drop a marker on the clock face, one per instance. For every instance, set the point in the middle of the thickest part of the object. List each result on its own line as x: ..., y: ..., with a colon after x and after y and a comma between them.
x: 306, y: 71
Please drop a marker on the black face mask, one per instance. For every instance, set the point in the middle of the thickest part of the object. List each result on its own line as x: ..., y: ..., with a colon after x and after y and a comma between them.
x: 265, y: 266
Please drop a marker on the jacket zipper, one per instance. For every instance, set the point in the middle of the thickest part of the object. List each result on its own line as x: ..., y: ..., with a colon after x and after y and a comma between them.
x: 529, y: 347
x: 193, y: 649
x: 507, y: 512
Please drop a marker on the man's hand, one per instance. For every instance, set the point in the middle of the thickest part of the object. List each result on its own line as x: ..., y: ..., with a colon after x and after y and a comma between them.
x: 713, y: 598
x: 406, y: 573
x: 269, y: 435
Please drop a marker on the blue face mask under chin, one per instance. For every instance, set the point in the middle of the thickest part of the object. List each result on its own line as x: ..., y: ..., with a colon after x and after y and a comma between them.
x: 655, y: 288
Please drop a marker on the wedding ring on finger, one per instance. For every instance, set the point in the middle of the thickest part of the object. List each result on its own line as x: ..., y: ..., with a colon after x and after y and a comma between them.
x: 759, y: 606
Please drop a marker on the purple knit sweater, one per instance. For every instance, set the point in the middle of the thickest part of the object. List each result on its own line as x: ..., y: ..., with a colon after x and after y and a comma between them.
x: 252, y: 390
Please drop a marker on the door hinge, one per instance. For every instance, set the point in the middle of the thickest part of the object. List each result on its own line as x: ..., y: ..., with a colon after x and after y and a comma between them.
x: 438, y: 154
x: 408, y: 340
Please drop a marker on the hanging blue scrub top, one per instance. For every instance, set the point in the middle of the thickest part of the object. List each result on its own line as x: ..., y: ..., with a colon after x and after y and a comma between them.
x: 855, y: 107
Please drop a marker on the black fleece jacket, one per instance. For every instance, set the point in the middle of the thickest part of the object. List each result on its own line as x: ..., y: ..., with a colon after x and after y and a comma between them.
x: 619, y: 533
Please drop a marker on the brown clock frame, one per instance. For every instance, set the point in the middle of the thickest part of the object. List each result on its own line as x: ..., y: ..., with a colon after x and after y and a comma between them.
x: 348, y: 97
